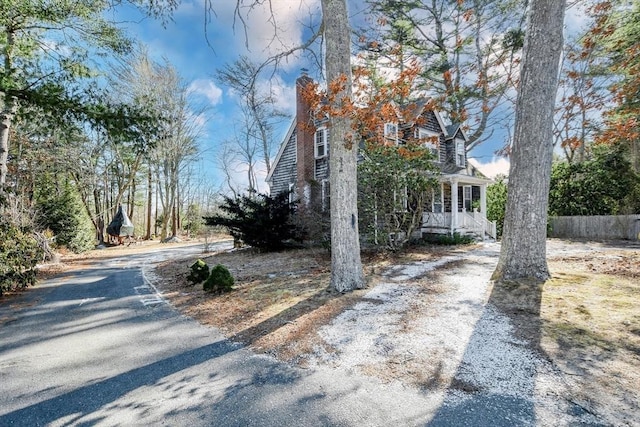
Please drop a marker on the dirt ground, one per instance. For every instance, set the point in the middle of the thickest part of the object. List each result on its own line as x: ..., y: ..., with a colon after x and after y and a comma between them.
x: 585, y: 320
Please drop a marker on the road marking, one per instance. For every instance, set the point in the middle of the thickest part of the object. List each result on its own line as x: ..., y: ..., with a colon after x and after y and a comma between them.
x: 152, y: 301
x: 150, y: 294
x: 90, y: 300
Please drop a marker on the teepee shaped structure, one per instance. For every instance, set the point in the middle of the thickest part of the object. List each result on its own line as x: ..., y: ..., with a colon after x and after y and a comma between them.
x: 121, y: 226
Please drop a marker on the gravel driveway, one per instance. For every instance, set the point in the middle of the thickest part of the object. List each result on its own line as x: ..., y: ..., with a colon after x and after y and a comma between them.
x: 434, y: 320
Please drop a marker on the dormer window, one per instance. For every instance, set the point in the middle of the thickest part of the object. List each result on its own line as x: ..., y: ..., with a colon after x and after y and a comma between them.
x: 460, y: 153
x: 320, y: 143
x: 391, y: 132
x: 430, y: 140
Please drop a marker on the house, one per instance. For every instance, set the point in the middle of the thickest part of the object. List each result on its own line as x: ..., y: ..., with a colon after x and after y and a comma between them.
x: 458, y: 204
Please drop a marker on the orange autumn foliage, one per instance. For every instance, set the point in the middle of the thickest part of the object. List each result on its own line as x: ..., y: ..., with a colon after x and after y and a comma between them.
x: 371, y: 107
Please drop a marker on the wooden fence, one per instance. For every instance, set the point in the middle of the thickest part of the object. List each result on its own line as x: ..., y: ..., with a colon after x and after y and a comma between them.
x: 600, y: 227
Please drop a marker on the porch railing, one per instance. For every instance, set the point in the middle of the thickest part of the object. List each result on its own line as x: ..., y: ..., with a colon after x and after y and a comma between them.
x: 436, y: 220
x: 478, y: 223
x: 474, y: 222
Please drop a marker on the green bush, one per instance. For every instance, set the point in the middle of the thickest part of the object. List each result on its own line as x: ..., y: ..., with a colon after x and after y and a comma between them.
x: 603, y: 184
x: 259, y: 220
x: 61, y: 211
x: 497, y: 202
x: 199, y: 272
x: 220, y: 280
x: 19, y: 254
x: 448, y: 239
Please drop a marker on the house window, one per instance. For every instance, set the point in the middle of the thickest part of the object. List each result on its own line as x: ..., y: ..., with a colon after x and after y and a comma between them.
x: 325, y: 195
x: 460, y: 153
x: 401, y: 200
x: 430, y: 140
x: 320, y: 143
x: 437, y: 199
x: 291, y: 193
x: 466, y: 197
x: 391, y: 131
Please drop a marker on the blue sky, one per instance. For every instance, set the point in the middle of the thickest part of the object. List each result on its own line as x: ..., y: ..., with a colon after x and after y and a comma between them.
x: 183, y: 43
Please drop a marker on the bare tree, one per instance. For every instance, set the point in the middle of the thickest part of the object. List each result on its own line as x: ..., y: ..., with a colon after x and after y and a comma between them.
x: 225, y: 161
x: 174, y: 144
x: 177, y: 144
x: 257, y: 105
x: 523, y: 252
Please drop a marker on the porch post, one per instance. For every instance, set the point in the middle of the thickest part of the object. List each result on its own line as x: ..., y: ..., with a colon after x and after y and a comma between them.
x: 483, y: 200
x: 454, y: 205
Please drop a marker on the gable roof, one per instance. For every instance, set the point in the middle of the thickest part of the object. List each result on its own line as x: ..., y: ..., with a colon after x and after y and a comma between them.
x: 283, y: 145
x: 418, y: 108
x: 453, y: 130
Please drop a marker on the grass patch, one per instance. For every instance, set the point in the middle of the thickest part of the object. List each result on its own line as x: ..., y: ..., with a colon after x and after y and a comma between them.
x: 583, y: 309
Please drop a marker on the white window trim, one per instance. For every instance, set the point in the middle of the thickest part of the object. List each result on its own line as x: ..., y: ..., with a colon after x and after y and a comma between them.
x: 291, y: 192
x: 437, y: 199
x: 391, y: 131
x: 427, y: 135
x: 460, y: 151
x: 467, y: 196
x: 324, y: 195
x: 325, y: 144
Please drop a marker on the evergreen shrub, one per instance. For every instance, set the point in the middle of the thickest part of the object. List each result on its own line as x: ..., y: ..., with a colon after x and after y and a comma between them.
x: 61, y: 211
x: 261, y: 221
x: 220, y: 280
x: 199, y: 272
x: 448, y: 239
x: 19, y: 254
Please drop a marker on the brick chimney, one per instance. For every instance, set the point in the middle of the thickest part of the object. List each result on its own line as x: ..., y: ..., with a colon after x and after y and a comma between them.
x: 304, y: 135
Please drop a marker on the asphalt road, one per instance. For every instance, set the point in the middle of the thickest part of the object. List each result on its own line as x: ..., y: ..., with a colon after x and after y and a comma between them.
x: 99, y: 346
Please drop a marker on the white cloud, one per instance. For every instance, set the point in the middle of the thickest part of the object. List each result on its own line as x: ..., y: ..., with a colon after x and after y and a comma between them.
x: 268, y: 28
x: 240, y: 180
x: 191, y: 8
x: 208, y: 89
x: 283, y: 94
x: 576, y: 19
x: 497, y: 166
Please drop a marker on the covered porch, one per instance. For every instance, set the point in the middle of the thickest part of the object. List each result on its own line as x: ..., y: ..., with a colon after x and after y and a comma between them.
x: 459, y: 205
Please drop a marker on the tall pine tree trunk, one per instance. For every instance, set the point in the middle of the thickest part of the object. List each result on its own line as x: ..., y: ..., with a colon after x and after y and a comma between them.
x: 8, y: 106
x: 5, y: 123
x: 523, y: 253
x: 346, y: 265
x: 149, y: 202
x: 6, y: 117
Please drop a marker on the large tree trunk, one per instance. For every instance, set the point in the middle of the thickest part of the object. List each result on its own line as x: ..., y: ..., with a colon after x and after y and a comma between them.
x: 8, y: 107
x: 346, y: 265
x: 6, y: 117
x: 99, y: 221
x: 523, y: 253
x: 149, y: 201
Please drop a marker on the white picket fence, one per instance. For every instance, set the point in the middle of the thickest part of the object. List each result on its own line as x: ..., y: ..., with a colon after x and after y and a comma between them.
x: 599, y: 227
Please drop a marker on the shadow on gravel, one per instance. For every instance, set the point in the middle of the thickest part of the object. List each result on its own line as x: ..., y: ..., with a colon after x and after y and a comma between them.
x: 491, y: 357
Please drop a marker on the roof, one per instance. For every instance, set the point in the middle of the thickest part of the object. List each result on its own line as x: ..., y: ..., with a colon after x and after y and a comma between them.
x: 283, y: 145
x: 452, y: 130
